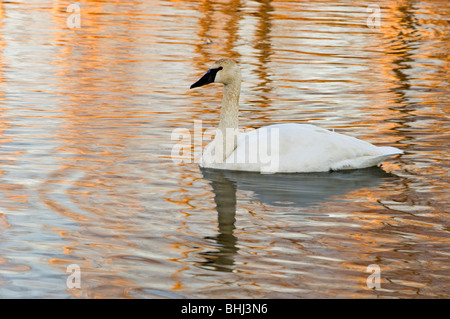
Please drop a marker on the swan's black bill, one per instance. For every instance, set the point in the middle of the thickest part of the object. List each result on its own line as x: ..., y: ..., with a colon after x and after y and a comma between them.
x: 209, y: 77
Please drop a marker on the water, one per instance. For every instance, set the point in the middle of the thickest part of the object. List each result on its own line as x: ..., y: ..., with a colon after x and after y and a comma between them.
x: 87, y: 178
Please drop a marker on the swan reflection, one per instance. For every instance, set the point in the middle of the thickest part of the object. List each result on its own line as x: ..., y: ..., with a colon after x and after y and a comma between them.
x: 289, y: 190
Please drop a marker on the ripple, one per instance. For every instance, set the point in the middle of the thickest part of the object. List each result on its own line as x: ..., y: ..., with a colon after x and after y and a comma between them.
x: 87, y: 178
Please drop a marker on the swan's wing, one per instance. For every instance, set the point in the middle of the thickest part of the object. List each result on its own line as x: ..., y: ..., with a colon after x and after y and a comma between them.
x: 289, y: 148
x: 304, y: 148
x: 385, y: 152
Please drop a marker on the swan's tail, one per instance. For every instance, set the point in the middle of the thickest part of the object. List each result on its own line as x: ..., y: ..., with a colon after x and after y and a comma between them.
x: 389, y: 151
x: 368, y: 161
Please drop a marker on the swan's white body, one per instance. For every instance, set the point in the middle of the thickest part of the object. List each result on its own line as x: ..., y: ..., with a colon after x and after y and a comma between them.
x: 302, y: 148
x: 280, y: 148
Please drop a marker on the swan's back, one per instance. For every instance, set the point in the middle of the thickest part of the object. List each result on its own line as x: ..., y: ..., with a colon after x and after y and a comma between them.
x: 295, y: 148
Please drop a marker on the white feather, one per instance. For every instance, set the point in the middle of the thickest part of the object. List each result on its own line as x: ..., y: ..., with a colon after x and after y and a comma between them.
x: 297, y: 148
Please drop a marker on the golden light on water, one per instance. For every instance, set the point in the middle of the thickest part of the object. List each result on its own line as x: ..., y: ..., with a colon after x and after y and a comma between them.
x: 87, y: 178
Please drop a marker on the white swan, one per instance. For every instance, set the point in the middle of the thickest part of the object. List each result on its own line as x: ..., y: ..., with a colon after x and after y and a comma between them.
x: 279, y: 148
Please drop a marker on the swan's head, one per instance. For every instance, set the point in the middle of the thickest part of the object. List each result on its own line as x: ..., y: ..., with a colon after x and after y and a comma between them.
x: 224, y: 71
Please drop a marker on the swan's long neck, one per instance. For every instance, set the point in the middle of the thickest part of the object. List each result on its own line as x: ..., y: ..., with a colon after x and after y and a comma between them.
x: 228, y: 125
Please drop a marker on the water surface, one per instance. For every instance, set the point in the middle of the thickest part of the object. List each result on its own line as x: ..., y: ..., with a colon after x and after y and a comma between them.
x: 87, y: 178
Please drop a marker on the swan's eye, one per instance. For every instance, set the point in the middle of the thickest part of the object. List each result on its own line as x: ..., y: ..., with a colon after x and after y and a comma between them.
x: 217, y: 69
x: 214, y: 71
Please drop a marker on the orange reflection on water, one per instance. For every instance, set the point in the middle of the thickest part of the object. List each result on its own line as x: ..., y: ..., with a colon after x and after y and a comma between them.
x: 86, y: 175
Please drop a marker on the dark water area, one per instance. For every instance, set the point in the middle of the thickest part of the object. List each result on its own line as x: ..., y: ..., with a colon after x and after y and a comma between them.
x: 87, y: 178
